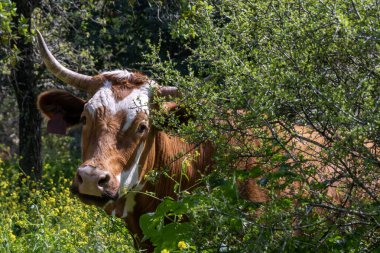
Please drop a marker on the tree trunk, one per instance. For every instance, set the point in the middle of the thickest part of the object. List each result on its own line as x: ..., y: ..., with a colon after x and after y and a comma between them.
x: 24, y: 82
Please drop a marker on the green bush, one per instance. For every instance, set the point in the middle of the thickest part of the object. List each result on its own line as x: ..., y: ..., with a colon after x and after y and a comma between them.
x: 262, y: 72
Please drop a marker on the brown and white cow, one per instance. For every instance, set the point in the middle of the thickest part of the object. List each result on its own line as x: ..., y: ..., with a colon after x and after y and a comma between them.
x: 120, y: 145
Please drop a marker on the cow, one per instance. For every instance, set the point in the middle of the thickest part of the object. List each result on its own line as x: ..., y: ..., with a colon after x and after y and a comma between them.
x: 120, y: 145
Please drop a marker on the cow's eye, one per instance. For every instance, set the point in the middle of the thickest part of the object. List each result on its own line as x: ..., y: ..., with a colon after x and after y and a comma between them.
x: 83, y: 120
x: 142, y: 128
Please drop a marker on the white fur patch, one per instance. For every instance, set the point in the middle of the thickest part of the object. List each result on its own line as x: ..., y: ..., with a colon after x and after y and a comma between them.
x: 136, y: 101
x: 103, y: 97
x: 130, y: 177
x: 130, y: 202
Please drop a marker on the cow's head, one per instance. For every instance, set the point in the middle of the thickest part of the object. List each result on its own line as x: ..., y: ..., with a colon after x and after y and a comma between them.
x: 115, y: 123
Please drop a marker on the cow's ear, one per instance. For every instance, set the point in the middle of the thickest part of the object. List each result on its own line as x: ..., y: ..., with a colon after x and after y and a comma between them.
x: 62, y: 109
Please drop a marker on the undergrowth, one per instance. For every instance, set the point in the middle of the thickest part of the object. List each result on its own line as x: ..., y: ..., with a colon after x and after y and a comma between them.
x: 43, y: 217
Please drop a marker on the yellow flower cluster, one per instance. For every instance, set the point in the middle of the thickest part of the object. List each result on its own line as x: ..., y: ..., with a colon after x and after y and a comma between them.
x: 182, y: 245
x: 36, y: 217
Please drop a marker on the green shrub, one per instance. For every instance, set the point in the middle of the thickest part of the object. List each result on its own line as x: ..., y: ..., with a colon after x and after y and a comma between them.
x: 257, y: 70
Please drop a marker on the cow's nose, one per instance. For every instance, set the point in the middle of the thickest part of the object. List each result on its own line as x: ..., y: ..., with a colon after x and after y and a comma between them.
x: 92, y: 181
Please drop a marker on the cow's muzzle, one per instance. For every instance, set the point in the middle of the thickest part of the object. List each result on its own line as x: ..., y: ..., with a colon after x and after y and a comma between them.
x: 94, y: 182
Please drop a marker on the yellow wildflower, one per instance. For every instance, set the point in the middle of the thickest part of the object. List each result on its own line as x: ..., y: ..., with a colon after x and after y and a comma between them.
x: 182, y: 245
x: 22, y: 223
x: 165, y: 251
x: 12, y: 236
x: 50, y: 201
x: 64, y: 231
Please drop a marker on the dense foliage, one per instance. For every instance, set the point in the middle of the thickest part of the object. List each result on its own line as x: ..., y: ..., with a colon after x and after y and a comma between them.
x: 250, y: 72
x: 260, y: 71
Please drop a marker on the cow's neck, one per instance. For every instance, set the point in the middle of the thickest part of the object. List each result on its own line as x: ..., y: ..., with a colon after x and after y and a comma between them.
x: 170, y: 157
x: 165, y: 155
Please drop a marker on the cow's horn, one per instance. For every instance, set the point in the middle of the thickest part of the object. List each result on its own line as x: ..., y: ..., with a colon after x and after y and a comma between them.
x: 166, y: 91
x: 84, y: 82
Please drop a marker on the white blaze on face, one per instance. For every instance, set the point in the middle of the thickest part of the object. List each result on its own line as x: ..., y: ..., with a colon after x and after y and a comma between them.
x: 136, y: 101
